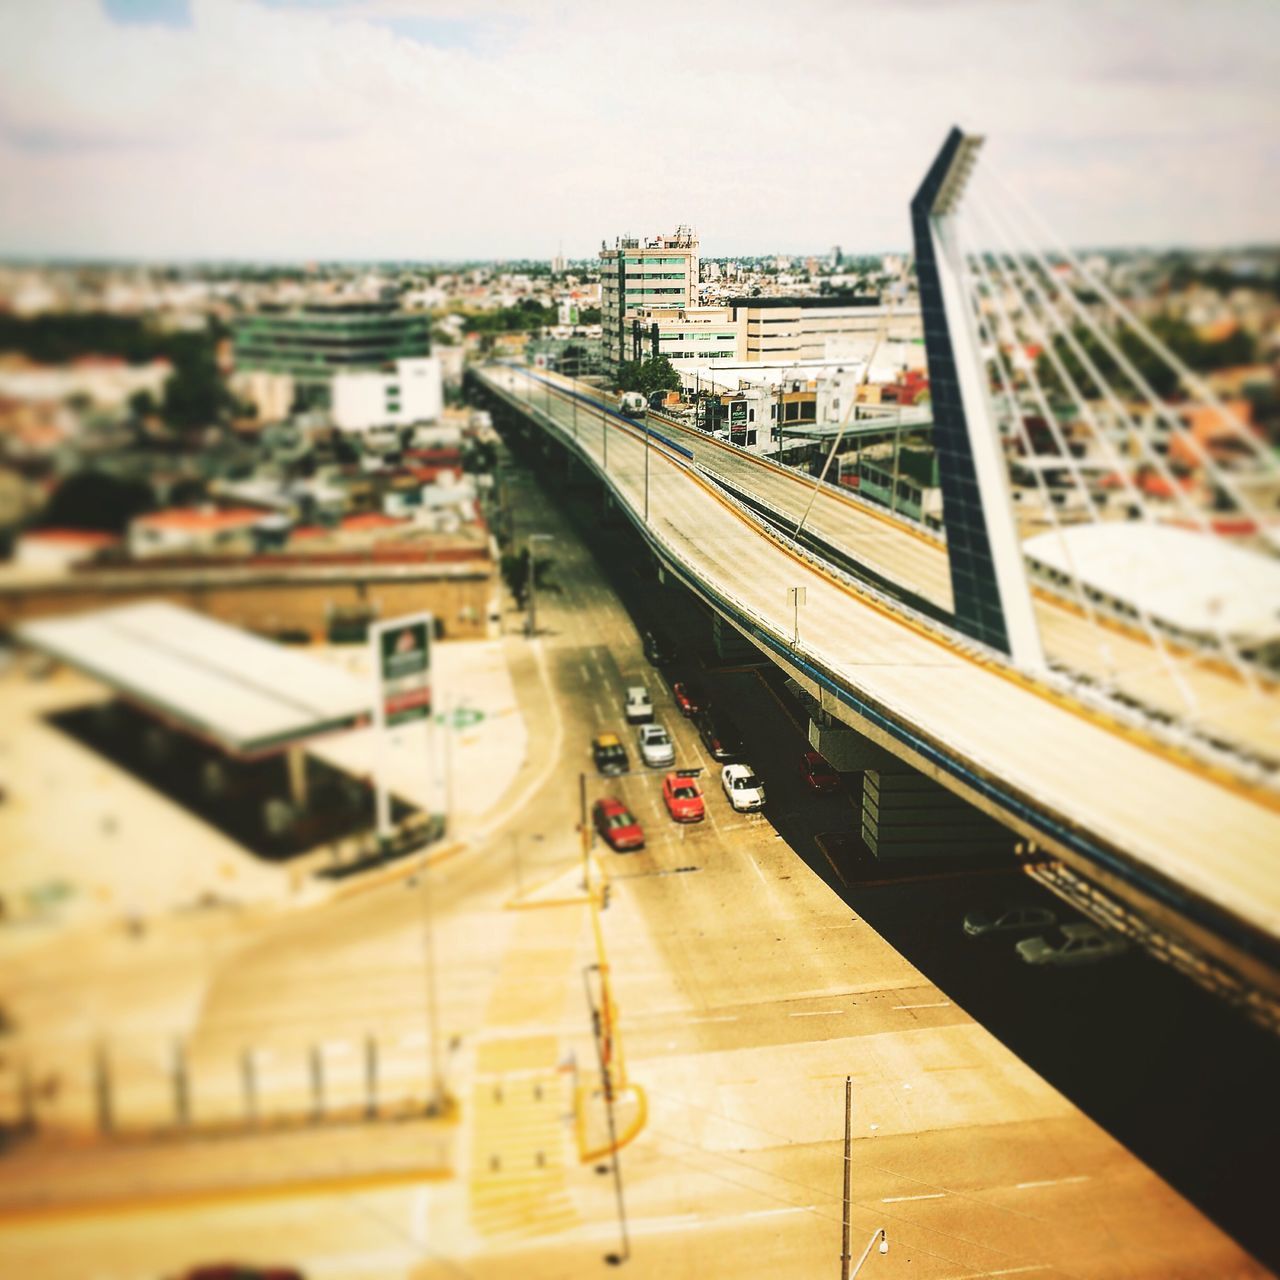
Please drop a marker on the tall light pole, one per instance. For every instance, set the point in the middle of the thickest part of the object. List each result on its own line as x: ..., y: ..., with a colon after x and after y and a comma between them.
x: 796, y: 596
x: 882, y: 1236
x: 646, y: 466
x: 532, y: 579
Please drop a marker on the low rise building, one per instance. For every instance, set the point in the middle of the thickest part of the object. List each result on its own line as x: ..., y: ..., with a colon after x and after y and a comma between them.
x: 412, y: 393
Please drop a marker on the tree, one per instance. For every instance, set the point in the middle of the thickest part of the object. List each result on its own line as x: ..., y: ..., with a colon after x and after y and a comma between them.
x: 515, y: 573
x: 648, y: 376
x: 142, y: 404
x: 95, y: 500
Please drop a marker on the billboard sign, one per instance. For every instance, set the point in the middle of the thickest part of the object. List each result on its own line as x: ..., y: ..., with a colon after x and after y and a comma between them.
x: 402, y: 653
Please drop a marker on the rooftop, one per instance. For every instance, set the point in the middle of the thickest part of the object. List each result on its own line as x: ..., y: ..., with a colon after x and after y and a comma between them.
x: 248, y: 695
x: 1196, y: 582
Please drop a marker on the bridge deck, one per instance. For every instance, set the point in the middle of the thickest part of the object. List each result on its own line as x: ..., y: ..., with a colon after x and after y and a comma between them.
x: 1226, y: 708
x: 1215, y: 839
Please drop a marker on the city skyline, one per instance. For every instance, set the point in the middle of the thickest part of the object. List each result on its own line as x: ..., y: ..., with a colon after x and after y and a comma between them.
x: 232, y: 130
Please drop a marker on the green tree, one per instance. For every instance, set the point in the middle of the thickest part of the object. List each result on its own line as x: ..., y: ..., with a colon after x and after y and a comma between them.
x: 515, y: 573
x: 648, y: 376
x: 95, y: 500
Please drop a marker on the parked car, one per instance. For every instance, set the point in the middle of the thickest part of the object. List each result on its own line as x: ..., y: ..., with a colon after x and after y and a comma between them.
x: 720, y: 736
x: 639, y: 706
x: 818, y: 775
x: 683, y: 796
x: 744, y: 789
x: 617, y: 825
x: 656, y: 748
x: 659, y: 648
x: 689, y: 697
x: 1071, y: 944
x: 610, y: 755
x: 1013, y: 918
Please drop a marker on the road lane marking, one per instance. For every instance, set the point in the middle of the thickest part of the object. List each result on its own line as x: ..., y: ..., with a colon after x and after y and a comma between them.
x: 935, y: 1004
x: 728, y: 1017
x: 930, y: 1195
x: 1052, y: 1182
x: 818, y: 1013
x: 1003, y: 1271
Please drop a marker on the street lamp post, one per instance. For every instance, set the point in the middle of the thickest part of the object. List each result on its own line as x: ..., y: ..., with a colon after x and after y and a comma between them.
x: 646, y: 467
x: 882, y: 1236
x: 796, y: 596
x: 532, y: 580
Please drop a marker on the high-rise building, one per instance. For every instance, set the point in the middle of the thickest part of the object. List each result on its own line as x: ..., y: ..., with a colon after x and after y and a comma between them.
x: 640, y: 275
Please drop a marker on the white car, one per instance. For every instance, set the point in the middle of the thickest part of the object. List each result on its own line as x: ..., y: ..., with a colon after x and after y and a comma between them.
x: 656, y: 748
x: 1075, y: 943
x: 744, y: 789
x: 1009, y: 919
x: 639, y: 705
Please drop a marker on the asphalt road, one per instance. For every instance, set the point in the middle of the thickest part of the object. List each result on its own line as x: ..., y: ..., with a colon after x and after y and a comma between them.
x: 1183, y: 1081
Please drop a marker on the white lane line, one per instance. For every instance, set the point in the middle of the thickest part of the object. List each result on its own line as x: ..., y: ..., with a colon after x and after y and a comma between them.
x: 817, y: 1013
x: 775, y: 1213
x: 932, y: 1195
x: 1003, y: 1271
x: 935, y: 1004
x: 1052, y: 1182
x: 586, y: 675
x: 728, y: 1017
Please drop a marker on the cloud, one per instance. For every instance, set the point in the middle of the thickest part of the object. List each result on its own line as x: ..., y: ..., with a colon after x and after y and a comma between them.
x: 434, y: 128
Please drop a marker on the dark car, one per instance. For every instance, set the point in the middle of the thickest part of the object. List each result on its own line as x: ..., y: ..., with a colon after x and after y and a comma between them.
x: 610, y: 755
x: 659, y: 648
x: 720, y: 736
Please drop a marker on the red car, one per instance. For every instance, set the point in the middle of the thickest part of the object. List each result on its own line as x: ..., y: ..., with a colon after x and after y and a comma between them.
x: 689, y: 698
x: 820, y: 776
x: 617, y: 826
x: 683, y: 797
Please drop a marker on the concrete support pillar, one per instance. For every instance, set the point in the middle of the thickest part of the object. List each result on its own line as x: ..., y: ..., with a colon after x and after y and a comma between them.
x: 906, y: 815
x: 296, y: 760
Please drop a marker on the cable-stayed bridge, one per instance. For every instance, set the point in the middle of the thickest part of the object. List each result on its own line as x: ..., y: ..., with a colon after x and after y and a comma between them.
x: 1141, y: 759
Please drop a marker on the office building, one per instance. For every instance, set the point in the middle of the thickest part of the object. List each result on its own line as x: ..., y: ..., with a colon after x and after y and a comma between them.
x: 315, y: 342
x: 657, y: 273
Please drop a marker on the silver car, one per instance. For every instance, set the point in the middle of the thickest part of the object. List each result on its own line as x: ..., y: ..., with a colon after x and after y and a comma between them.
x: 656, y: 748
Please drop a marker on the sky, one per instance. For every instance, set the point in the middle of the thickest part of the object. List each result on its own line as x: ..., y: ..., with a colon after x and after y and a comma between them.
x: 445, y: 129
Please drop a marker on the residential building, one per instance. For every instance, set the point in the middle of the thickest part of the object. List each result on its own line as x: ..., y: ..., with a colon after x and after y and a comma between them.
x: 638, y: 275
x: 315, y: 342
x: 412, y: 392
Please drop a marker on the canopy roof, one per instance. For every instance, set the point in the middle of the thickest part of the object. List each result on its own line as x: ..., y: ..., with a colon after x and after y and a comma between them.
x: 247, y: 694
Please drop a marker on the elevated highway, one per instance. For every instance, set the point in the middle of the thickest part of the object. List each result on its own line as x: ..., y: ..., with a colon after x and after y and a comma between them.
x: 1189, y: 844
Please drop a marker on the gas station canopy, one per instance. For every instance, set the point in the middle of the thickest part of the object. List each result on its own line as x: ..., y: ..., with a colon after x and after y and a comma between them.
x: 249, y: 695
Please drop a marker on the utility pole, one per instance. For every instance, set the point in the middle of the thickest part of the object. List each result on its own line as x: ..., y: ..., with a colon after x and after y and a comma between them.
x: 606, y: 1080
x: 585, y: 834
x: 845, y: 1256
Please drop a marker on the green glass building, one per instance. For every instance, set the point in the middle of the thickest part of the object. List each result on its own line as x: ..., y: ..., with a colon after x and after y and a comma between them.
x: 313, y: 343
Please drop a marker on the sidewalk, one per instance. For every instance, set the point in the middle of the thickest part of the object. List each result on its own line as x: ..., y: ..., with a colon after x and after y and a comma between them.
x: 46, y: 1179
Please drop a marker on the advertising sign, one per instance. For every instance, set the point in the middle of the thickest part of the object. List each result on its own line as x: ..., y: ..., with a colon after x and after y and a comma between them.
x: 403, y: 654
x: 737, y: 413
